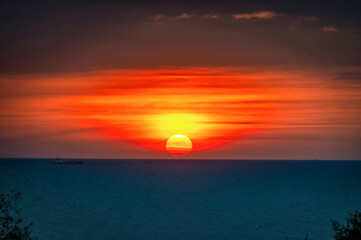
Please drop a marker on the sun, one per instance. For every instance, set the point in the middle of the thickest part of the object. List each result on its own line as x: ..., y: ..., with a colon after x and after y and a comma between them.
x: 179, y: 145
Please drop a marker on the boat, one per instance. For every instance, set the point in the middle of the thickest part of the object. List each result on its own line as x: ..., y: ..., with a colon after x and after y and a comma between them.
x: 61, y: 161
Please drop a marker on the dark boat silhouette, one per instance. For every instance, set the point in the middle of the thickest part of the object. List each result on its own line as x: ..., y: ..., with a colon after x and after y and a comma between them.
x: 61, y: 161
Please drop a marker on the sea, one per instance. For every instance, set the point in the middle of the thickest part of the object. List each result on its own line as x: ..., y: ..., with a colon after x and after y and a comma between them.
x: 183, y: 199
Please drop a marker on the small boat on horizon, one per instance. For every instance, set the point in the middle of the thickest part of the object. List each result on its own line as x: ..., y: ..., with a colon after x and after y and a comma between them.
x: 61, y: 161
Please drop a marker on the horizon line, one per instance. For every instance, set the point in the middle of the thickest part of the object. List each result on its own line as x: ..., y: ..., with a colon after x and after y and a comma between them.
x: 174, y: 159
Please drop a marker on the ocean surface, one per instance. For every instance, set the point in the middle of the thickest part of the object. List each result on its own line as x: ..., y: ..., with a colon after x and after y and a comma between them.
x: 183, y: 199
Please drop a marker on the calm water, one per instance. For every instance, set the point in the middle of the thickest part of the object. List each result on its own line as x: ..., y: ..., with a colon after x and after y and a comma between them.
x: 139, y: 199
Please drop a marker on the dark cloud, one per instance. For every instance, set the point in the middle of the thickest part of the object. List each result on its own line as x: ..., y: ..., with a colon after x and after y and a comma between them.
x: 68, y: 36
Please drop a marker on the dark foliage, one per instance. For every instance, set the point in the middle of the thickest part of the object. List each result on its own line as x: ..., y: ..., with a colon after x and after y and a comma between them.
x: 11, y: 224
x: 350, y: 231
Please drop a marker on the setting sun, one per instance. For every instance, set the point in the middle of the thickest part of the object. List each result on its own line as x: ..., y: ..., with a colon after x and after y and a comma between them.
x: 179, y: 145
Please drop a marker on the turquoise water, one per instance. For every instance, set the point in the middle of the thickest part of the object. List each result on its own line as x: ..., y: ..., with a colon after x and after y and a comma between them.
x: 189, y: 199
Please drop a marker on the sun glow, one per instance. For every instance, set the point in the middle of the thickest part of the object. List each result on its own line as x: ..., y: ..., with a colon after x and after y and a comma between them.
x: 171, y: 124
x: 212, y: 107
x: 246, y: 108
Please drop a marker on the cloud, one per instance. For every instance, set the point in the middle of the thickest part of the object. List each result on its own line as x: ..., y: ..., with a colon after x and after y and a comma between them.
x: 211, y: 16
x: 160, y: 17
x: 184, y: 16
x: 349, y: 76
x: 329, y: 29
x: 261, y: 14
x: 47, y: 135
x: 86, y: 38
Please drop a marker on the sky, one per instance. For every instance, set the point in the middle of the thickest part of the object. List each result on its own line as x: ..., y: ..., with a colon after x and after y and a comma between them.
x: 240, y: 79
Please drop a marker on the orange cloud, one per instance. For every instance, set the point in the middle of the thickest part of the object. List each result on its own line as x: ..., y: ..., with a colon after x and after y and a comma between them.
x: 211, y: 16
x: 184, y: 16
x: 262, y: 14
x: 160, y: 17
x: 329, y: 29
